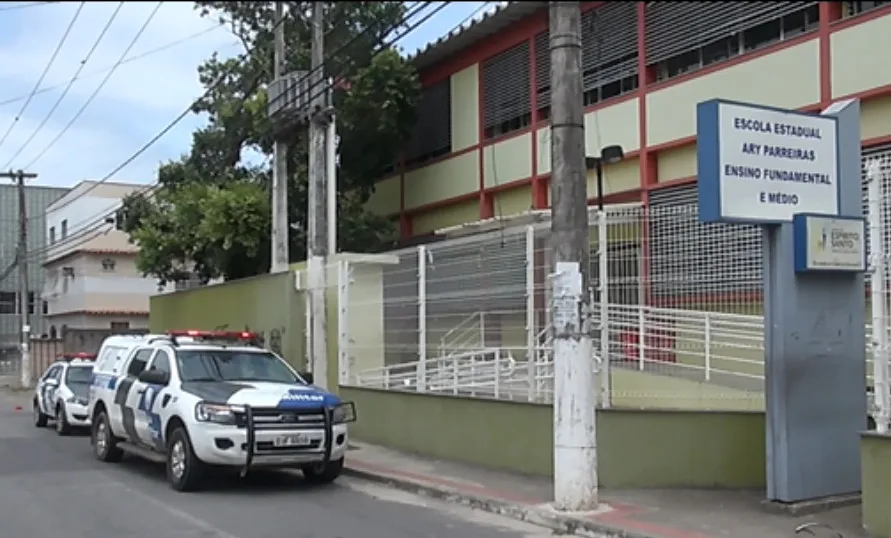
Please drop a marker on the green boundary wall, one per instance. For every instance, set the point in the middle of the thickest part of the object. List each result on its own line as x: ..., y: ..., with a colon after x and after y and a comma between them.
x: 636, y: 448
x: 267, y: 304
x: 875, y: 465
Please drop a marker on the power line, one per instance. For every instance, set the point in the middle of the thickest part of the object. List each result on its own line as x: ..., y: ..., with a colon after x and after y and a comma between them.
x: 247, y: 94
x: 98, y: 88
x: 23, y: 6
x: 45, y: 71
x: 105, y: 69
x: 80, y: 68
x: 94, y: 225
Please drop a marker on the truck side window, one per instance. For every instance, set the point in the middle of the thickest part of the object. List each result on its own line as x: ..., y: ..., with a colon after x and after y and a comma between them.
x: 137, y: 364
x: 161, y: 362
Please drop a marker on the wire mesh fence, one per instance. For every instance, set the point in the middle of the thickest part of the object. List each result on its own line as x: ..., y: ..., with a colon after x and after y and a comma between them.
x: 676, y: 309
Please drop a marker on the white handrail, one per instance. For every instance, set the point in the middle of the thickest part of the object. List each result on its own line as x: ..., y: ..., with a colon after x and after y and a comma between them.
x: 715, y: 347
x: 461, y: 326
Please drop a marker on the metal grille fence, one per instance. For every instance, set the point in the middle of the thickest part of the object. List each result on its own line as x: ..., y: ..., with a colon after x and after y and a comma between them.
x: 676, y: 309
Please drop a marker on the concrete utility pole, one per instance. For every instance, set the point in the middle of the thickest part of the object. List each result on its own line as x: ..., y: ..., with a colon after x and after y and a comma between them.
x: 575, y: 433
x: 19, y: 178
x: 331, y: 176
x: 280, y: 255
x: 317, y: 214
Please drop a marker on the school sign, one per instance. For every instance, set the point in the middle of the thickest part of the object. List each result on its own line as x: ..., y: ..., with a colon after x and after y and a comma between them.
x: 761, y: 165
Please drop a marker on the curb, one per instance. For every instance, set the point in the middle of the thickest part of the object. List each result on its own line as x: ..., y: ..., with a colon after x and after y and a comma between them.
x: 536, y: 515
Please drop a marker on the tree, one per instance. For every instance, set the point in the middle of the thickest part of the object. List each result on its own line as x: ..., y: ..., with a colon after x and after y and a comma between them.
x: 211, y: 212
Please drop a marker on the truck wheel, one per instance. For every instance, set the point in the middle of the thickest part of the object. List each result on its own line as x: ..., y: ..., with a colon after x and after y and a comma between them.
x: 40, y: 419
x: 62, y: 426
x: 185, y: 471
x: 323, y: 474
x: 105, y: 444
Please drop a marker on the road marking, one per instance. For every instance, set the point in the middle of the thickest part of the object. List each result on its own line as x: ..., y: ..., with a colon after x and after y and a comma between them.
x: 185, y: 516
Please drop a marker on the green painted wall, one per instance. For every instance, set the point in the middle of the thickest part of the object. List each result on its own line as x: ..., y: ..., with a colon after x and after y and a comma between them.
x: 636, y: 448
x: 267, y: 304
x: 875, y: 465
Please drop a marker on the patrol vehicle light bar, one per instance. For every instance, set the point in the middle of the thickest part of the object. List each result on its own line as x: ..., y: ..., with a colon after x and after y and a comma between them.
x: 82, y: 356
x: 230, y: 336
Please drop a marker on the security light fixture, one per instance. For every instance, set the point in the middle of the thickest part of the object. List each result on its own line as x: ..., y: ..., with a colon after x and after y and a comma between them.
x: 608, y: 155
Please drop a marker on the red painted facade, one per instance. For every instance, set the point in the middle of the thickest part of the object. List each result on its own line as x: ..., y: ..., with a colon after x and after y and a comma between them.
x: 525, y: 30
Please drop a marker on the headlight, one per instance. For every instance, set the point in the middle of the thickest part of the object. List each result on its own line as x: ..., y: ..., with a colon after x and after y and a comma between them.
x: 216, y: 413
x: 343, y: 413
x: 77, y: 400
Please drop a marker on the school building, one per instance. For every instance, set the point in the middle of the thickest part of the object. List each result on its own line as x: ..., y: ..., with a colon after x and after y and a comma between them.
x: 483, y: 147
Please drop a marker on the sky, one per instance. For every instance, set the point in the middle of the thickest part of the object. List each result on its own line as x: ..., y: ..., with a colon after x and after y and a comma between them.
x: 142, y: 96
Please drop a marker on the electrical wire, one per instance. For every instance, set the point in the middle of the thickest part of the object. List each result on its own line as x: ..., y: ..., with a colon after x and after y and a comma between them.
x: 140, y: 56
x: 45, y: 71
x: 106, y: 218
x: 248, y: 93
x: 77, y: 73
x: 98, y: 88
x: 23, y: 6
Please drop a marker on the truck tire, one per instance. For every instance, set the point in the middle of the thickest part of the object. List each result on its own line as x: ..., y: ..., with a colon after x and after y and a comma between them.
x: 40, y: 418
x: 105, y: 444
x: 185, y: 471
x: 319, y: 474
x: 62, y: 426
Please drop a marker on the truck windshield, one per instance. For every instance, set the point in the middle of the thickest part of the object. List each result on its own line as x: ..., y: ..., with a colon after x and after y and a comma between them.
x: 229, y: 365
x: 78, y: 375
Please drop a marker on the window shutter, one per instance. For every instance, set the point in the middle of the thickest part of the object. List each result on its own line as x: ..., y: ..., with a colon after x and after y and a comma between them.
x: 677, y: 27
x: 609, y: 43
x: 506, y: 85
x: 543, y: 69
x: 433, y: 130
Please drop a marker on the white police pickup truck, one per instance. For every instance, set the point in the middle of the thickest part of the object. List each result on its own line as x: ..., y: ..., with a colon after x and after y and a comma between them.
x: 196, y: 400
x: 62, y: 393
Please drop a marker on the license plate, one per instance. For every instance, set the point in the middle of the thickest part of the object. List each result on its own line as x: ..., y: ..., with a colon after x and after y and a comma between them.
x: 295, y: 440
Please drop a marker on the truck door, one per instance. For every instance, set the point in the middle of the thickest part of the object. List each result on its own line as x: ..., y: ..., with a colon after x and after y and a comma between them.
x: 149, y: 396
x: 121, y: 416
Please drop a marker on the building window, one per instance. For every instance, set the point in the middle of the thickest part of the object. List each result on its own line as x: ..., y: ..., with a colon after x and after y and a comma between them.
x: 609, y: 56
x: 609, y: 51
x: 108, y: 265
x: 7, y: 302
x: 64, y: 228
x: 686, y: 36
x: 45, y: 308
x: 506, y: 91
x: 119, y: 326
x: 432, y: 135
x: 852, y: 9
x: 31, y: 302
x: 52, y: 235
x: 543, y: 75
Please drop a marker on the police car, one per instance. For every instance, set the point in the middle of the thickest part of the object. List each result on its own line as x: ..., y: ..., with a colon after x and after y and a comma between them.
x: 197, y: 400
x: 62, y: 393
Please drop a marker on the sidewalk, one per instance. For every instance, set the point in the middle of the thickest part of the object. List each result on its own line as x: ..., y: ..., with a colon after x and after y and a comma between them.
x: 625, y: 513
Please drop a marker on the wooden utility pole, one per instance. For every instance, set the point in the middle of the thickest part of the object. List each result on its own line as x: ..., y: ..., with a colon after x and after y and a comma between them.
x: 575, y: 390
x: 19, y: 178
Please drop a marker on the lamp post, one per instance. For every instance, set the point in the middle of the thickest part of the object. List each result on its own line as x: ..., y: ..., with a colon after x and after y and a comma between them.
x: 608, y: 155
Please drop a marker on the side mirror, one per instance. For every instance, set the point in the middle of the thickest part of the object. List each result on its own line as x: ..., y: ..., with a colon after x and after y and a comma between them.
x: 307, y: 376
x: 154, y: 377
x: 51, y: 382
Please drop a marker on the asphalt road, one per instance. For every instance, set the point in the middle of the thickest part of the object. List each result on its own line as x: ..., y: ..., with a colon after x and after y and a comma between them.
x: 52, y: 487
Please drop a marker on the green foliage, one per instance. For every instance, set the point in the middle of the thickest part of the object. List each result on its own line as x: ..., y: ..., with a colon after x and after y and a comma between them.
x: 212, y: 213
